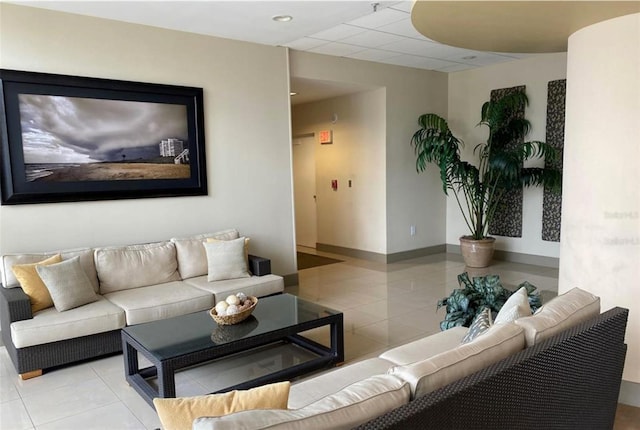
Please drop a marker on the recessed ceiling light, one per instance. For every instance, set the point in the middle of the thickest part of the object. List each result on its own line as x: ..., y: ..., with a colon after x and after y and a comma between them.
x: 282, y: 18
x: 293, y: 93
x: 470, y: 57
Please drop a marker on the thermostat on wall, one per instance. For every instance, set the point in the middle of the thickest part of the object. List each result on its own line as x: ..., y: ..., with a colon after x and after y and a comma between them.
x: 326, y: 136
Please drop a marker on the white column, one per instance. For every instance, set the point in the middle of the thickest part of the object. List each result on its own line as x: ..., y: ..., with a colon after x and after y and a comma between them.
x: 600, y: 243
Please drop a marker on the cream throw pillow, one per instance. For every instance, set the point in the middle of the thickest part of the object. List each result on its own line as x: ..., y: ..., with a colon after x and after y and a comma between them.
x: 32, y: 285
x: 179, y: 413
x: 516, y: 306
x: 246, y: 246
x: 67, y: 283
x: 226, y: 259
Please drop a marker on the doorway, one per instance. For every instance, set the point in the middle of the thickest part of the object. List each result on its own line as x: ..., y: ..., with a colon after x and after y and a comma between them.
x: 304, y: 190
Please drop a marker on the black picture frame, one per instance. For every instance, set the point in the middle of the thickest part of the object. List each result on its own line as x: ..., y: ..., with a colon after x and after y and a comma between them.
x: 70, y: 138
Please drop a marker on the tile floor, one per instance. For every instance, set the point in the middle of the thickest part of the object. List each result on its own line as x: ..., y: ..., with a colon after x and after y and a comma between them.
x: 384, y: 305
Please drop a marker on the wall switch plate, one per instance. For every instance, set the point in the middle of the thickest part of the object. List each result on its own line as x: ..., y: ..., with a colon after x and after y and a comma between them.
x: 412, y: 230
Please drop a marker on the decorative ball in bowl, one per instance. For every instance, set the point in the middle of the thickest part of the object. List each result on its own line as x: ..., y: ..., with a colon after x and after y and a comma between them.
x: 236, y: 308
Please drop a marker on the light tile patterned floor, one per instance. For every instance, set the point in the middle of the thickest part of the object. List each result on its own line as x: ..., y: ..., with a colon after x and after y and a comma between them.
x: 384, y: 305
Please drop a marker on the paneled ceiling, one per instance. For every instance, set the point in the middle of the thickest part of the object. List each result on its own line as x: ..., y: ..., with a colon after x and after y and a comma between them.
x: 380, y: 32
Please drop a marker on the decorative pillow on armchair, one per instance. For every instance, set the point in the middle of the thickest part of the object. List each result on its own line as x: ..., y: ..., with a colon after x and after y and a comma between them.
x: 226, y: 259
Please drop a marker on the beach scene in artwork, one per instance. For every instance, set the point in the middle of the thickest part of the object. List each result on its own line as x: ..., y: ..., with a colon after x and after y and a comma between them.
x: 84, y: 139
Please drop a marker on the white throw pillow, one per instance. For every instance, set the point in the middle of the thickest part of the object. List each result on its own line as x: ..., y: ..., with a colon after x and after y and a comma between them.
x: 192, y: 258
x: 226, y: 260
x: 516, y: 306
x: 67, y: 283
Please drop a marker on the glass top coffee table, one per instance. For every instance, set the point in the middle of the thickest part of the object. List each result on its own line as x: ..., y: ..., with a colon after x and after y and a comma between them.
x: 176, y: 343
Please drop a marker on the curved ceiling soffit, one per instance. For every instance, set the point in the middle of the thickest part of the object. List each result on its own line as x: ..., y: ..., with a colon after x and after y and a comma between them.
x: 512, y: 26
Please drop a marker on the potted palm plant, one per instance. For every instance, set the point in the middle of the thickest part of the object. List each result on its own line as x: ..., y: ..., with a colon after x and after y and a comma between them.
x: 479, y: 189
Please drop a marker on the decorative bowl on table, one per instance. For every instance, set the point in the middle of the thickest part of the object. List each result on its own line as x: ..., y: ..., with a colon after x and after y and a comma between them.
x: 242, y: 311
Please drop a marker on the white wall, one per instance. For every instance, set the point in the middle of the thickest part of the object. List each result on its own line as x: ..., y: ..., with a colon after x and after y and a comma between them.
x: 600, y: 244
x: 410, y: 198
x: 468, y: 90
x: 349, y: 217
x: 248, y: 145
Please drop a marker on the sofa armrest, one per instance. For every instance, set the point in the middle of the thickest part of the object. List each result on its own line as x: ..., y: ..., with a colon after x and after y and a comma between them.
x: 15, y: 304
x: 259, y: 266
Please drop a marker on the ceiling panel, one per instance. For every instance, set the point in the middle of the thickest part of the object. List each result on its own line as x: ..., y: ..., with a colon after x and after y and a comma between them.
x: 402, y: 28
x: 306, y: 43
x: 411, y: 46
x: 372, y: 55
x: 341, y: 28
x: 380, y: 18
x: 372, y: 39
x: 337, y: 49
x: 338, y: 32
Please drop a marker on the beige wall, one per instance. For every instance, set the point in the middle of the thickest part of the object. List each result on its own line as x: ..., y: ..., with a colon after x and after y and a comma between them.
x: 349, y: 217
x: 246, y: 105
x: 409, y: 198
x: 600, y: 248
x: 468, y: 90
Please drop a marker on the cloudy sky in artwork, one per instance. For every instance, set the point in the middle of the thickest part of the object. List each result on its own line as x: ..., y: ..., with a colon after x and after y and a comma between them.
x: 59, y: 129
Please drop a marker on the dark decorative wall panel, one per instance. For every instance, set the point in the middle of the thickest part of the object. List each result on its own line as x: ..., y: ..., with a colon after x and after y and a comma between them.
x: 508, y: 217
x: 552, y: 202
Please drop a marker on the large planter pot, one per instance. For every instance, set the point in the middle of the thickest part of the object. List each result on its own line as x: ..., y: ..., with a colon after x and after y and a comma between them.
x: 477, y: 253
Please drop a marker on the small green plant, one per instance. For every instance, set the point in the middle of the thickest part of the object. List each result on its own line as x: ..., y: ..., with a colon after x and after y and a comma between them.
x: 466, y: 302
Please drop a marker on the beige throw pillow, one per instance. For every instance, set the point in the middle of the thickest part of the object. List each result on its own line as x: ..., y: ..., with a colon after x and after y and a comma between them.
x: 246, y: 246
x: 516, y: 306
x: 179, y: 413
x: 192, y: 258
x: 226, y: 259
x: 67, y: 283
x: 32, y: 285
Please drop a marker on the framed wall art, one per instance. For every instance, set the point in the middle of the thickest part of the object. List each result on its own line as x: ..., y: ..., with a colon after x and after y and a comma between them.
x: 70, y: 138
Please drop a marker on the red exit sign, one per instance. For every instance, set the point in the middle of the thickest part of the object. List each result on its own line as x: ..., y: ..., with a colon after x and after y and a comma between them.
x: 326, y: 136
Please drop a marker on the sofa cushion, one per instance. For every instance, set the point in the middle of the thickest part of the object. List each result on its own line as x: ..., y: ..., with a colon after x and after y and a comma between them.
x: 192, y: 258
x: 316, y: 387
x: 160, y: 301
x: 428, y: 375
x: 67, y: 283
x: 31, y: 282
x: 560, y: 313
x: 226, y: 259
x: 126, y: 267
x: 86, y: 260
x: 425, y: 347
x: 350, y: 407
x: 179, y: 413
x: 49, y: 325
x: 516, y: 306
x: 258, y: 286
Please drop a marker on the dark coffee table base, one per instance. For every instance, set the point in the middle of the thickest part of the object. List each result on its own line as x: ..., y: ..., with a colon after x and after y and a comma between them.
x: 164, y: 369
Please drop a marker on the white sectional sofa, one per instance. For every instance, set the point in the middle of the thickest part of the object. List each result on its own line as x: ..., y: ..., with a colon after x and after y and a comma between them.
x: 494, y: 381
x: 134, y: 284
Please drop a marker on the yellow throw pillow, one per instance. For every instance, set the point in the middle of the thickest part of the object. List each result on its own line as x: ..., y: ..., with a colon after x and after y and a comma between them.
x: 32, y: 285
x: 179, y: 413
